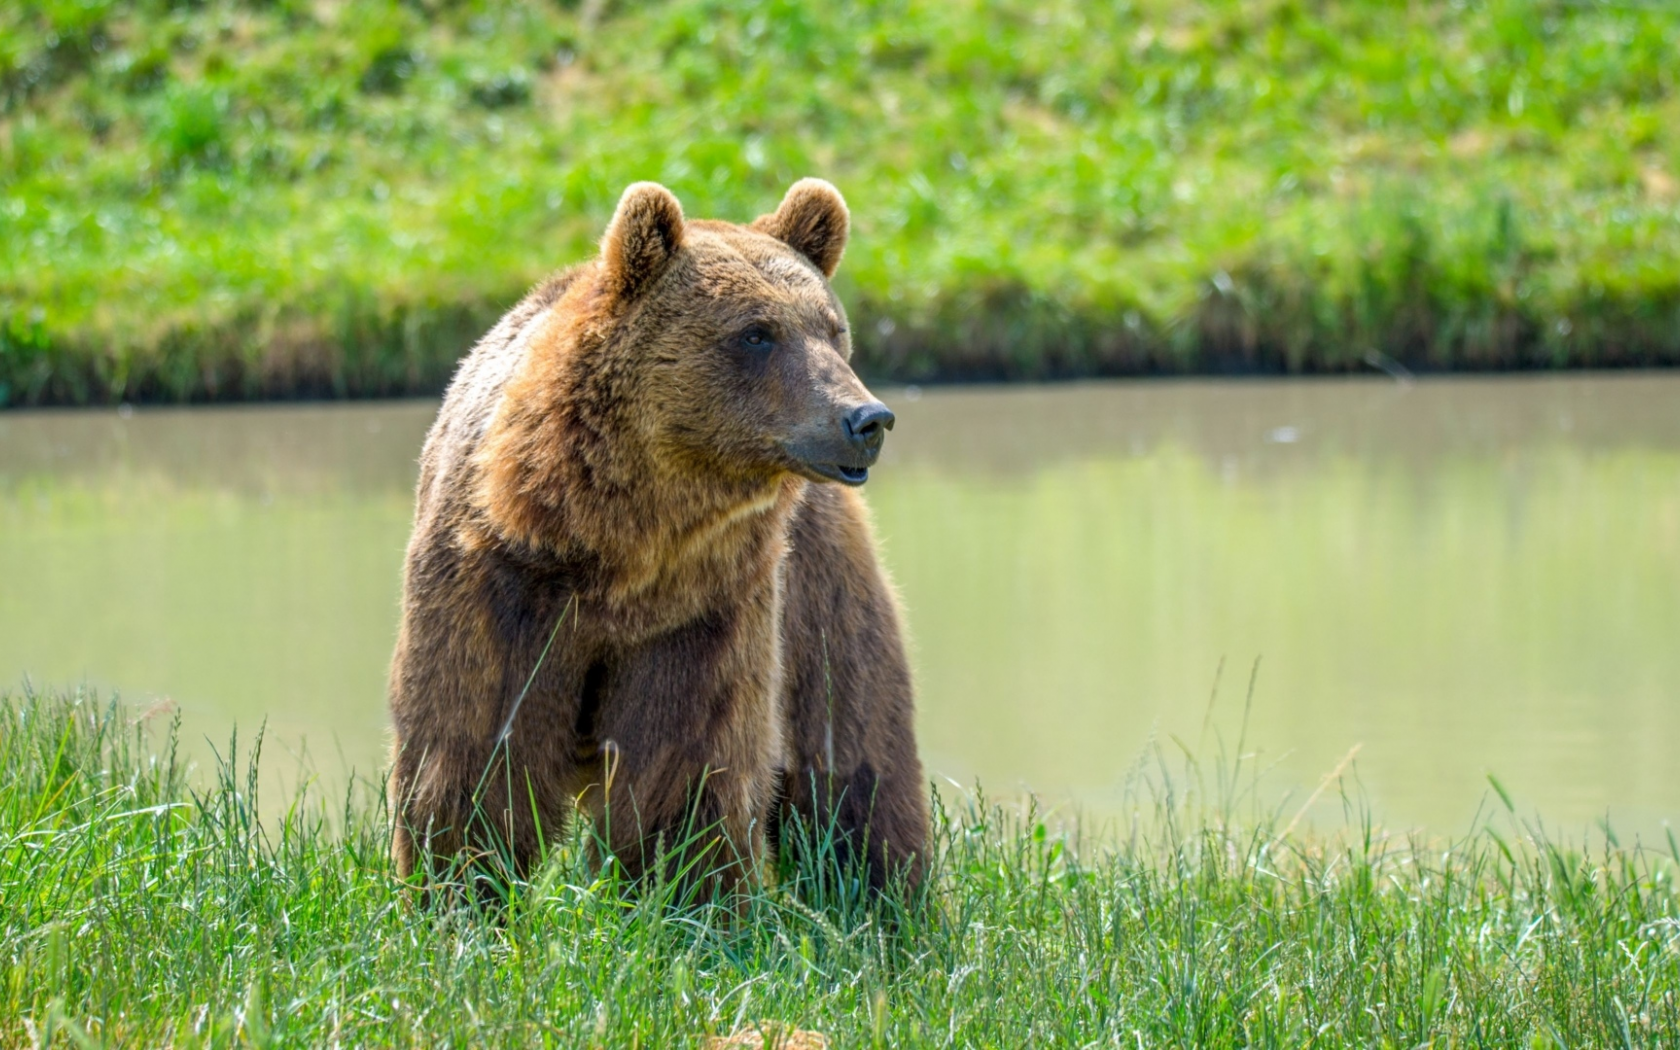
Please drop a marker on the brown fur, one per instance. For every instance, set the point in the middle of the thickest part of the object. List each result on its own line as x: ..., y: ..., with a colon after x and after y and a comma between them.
x: 619, y: 458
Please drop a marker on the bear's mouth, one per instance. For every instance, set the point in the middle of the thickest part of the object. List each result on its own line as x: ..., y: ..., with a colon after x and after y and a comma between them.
x: 836, y: 472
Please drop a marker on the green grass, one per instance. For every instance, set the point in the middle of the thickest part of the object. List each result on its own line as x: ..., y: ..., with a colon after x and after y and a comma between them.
x: 135, y: 910
x: 226, y: 200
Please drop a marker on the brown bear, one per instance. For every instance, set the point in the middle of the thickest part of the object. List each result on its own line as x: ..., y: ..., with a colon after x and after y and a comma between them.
x: 641, y: 581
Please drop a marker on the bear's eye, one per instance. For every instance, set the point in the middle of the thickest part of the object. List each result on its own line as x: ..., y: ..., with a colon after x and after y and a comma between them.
x: 758, y: 337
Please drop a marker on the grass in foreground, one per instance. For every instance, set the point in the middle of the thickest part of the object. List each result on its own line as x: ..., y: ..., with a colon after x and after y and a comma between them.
x: 280, y: 197
x: 136, y: 911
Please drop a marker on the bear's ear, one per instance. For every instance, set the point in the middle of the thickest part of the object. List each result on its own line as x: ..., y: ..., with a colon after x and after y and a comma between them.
x: 813, y: 221
x: 645, y: 232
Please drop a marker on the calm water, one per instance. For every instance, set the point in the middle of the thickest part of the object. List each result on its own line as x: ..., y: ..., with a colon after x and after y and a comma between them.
x: 1459, y: 577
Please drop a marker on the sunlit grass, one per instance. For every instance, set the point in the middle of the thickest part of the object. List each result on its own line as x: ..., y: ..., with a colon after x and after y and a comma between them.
x: 230, y: 200
x: 137, y: 910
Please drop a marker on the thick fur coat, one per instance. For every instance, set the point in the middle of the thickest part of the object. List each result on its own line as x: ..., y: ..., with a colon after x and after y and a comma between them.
x: 638, y: 583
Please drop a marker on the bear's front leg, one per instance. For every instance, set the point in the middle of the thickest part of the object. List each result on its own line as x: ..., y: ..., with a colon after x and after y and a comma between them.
x: 465, y: 800
x: 689, y: 738
x: 853, y: 787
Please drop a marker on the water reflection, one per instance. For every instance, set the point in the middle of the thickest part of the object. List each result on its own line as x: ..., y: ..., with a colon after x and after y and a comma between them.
x: 1461, y: 576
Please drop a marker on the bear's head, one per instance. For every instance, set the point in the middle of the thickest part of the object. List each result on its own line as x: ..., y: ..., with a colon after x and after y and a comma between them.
x: 730, y: 348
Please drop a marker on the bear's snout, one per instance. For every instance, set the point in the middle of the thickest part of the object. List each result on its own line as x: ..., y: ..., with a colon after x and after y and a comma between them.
x: 866, y: 428
x: 844, y: 447
x: 863, y: 430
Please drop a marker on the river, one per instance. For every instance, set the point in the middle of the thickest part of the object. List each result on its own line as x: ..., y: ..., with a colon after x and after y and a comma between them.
x: 1445, y: 579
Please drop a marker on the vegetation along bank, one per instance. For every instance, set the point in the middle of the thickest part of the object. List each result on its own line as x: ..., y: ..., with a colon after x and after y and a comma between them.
x: 233, y: 200
x: 138, y: 910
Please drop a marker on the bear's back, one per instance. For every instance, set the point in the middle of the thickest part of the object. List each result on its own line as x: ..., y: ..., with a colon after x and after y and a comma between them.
x: 474, y: 395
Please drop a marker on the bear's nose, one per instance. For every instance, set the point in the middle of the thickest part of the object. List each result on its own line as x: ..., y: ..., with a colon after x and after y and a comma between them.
x: 867, y: 425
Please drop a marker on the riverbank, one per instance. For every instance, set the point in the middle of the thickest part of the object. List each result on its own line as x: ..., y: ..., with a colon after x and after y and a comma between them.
x: 230, y: 201
x: 139, y: 911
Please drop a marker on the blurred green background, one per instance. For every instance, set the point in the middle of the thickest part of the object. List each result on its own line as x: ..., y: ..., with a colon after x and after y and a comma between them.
x: 289, y: 198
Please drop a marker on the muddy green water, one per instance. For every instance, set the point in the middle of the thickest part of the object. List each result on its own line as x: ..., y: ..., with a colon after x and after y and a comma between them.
x: 1458, y: 577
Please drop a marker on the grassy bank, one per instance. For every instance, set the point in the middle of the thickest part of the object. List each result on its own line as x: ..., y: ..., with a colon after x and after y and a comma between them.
x: 136, y: 911
x: 226, y: 200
